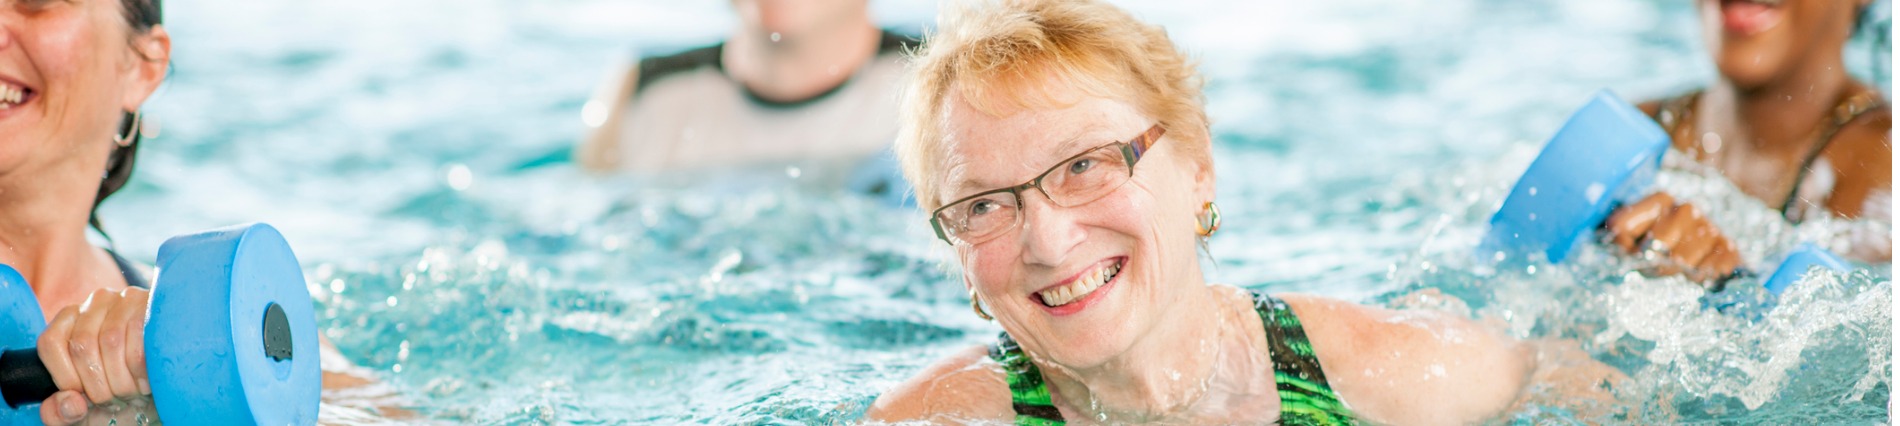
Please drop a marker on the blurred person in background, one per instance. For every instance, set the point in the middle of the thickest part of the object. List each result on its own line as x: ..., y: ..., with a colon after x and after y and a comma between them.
x: 809, y: 84
x: 1784, y: 122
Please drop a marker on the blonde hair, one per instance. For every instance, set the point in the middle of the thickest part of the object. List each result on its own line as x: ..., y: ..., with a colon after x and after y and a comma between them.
x: 997, y: 54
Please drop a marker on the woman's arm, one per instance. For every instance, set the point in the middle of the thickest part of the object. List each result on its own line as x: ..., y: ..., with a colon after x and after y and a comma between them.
x: 600, y: 148
x: 1414, y: 367
x: 964, y: 388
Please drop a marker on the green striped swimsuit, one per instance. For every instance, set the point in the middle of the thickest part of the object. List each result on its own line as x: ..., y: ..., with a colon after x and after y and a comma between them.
x: 1305, y: 398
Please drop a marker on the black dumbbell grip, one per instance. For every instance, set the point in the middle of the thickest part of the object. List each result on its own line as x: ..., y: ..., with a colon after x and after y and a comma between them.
x: 24, y: 379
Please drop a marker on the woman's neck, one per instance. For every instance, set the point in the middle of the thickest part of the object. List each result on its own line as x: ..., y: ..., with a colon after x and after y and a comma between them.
x: 792, y: 67
x: 1207, y: 358
x: 1780, y: 116
x: 43, y: 234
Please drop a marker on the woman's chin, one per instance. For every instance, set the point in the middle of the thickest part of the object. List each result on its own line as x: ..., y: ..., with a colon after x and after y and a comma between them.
x: 1747, y: 68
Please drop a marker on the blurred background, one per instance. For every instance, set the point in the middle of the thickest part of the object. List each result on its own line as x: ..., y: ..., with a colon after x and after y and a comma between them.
x: 417, y: 155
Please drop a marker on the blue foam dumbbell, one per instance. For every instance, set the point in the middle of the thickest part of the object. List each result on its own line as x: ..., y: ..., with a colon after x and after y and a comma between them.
x: 1607, y: 154
x: 230, y: 335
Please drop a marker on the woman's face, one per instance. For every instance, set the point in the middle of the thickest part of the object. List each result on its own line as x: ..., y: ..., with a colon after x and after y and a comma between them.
x: 1139, y: 238
x: 1755, y: 42
x: 73, y: 66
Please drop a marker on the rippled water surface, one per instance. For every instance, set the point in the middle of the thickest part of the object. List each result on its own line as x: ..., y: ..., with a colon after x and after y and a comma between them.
x: 415, y: 153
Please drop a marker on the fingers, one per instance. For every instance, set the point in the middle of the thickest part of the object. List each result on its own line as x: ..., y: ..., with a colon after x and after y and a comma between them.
x: 63, y: 408
x: 84, y: 345
x: 1674, y: 225
x: 135, y: 338
x: 53, y: 349
x: 1629, y: 223
x: 1695, y: 246
x: 1725, y: 260
x: 114, y: 340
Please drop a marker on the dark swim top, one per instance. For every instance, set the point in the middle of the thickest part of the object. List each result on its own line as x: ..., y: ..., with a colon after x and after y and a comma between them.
x: 1674, y: 116
x: 653, y: 69
x: 130, y: 271
x: 1305, y: 398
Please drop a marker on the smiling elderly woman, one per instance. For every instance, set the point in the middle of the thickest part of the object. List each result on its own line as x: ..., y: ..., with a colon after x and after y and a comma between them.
x: 1062, y: 150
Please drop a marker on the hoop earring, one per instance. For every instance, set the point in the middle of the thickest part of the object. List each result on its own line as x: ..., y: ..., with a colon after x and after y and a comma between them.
x: 127, y: 135
x: 979, y: 308
x: 1209, y: 221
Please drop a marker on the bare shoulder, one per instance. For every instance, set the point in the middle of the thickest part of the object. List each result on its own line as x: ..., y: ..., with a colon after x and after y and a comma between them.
x: 966, y: 387
x: 1862, y: 159
x: 599, y: 150
x: 1415, y: 367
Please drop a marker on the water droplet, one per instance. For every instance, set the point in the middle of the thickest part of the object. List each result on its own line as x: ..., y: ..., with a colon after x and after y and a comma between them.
x: 1533, y: 191
x: 1711, y: 142
x: 594, y: 113
x: 459, y: 177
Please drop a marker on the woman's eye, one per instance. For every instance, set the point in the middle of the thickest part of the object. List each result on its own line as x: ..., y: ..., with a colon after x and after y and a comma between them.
x: 982, y: 207
x: 35, y: 4
x: 1080, y: 166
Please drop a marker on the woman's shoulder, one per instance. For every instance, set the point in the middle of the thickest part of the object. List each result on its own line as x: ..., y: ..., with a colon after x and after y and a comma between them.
x: 965, y: 387
x: 1392, y: 365
x: 1862, y: 158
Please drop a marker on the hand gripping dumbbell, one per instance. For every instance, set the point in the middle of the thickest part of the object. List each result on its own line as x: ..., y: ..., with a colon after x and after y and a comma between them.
x: 230, y: 335
x: 1606, y: 155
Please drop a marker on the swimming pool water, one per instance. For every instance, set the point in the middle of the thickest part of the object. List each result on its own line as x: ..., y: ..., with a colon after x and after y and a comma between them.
x: 414, y: 153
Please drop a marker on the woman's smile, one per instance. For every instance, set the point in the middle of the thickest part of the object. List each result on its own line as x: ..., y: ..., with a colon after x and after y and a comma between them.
x: 13, y: 95
x: 1749, y: 17
x: 1082, y: 289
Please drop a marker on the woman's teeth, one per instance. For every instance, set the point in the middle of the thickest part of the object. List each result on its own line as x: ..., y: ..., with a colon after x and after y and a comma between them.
x: 10, y: 95
x: 1081, y: 287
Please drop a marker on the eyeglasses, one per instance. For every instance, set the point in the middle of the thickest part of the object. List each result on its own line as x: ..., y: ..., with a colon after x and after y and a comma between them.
x: 1084, y: 178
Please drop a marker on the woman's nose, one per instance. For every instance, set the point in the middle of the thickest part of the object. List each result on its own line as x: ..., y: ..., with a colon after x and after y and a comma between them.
x: 1049, y: 232
x: 8, y: 21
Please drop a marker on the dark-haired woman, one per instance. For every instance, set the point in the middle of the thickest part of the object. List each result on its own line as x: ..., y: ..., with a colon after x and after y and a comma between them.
x: 73, y: 75
x: 1785, y: 123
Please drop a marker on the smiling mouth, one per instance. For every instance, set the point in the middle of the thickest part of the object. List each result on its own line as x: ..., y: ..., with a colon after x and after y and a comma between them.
x: 1749, y: 16
x: 1081, y: 287
x: 13, y: 96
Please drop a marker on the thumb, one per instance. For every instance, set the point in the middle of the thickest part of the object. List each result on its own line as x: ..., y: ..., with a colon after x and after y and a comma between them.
x: 63, y: 408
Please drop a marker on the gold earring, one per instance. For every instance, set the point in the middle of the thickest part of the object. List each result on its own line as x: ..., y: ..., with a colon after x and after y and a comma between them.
x: 1209, y: 221
x: 979, y: 308
x: 124, y: 137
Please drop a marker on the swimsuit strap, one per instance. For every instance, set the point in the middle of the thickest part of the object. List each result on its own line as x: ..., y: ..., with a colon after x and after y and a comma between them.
x: 1675, y: 111
x: 1849, y: 109
x: 1028, y: 395
x: 130, y: 271
x: 1305, y: 397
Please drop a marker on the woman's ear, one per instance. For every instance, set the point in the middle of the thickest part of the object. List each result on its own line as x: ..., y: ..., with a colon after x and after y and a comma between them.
x: 1203, y: 170
x: 152, y: 59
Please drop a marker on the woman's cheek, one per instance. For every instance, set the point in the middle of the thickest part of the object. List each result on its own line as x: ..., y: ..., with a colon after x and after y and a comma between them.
x: 985, y: 267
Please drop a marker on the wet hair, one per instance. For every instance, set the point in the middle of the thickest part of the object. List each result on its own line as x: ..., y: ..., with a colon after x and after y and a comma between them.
x: 141, y: 16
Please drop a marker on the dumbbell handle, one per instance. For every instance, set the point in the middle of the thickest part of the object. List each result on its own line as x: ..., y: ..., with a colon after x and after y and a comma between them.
x: 23, y: 378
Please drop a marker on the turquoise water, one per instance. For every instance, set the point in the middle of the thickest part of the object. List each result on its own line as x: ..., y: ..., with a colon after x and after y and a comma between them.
x: 415, y: 154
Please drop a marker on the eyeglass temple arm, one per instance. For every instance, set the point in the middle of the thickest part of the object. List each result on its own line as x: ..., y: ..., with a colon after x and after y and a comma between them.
x: 1141, y: 143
